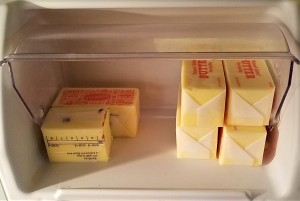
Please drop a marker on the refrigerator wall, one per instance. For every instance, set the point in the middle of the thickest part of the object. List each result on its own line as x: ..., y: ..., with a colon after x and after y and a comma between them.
x: 112, y: 45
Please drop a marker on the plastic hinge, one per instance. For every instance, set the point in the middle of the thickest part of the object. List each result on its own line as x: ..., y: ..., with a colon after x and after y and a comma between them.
x: 296, y: 60
x: 3, y: 61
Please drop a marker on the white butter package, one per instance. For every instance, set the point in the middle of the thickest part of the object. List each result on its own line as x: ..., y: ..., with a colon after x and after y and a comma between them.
x: 77, y: 134
x: 123, y: 105
x: 203, y: 93
x: 195, y: 142
x: 242, y: 145
x: 250, y: 92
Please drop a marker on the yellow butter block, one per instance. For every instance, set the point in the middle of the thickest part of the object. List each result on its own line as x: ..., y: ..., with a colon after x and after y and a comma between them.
x: 242, y: 145
x: 203, y: 93
x: 195, y: 142
x: 77, y: 134
x: 123, y: 104
x: 250, y: 92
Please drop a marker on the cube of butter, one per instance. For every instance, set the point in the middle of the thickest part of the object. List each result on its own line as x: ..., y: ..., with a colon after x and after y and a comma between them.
x: 203, y: 93
x: 242, y: 145
x: 77, y: 134
x: 195, y: 142
x: 123, y: 104
x: 250, y: 92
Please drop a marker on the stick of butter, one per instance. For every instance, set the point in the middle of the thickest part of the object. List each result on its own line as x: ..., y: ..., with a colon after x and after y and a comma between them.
x: 242, y: 145
x: 123, y: 104
x: 77, y: 134
x: 195, y: 142
x: 250, y: 94
x: 203, y: 93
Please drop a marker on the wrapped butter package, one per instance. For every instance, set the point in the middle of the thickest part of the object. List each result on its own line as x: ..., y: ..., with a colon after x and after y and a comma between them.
x: 123, y: 104
x: 242, y: 145
x: 203, y: 93
x: 195, y: 142
x: 250, y: 92
x: 77, y: 134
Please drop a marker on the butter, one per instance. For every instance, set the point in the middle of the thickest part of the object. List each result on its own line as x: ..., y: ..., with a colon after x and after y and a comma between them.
x: 123, y: 104
x: 242, y: 145
x: 203, y: 93
x: 195, y: 142
x: 77, y: 134
x: 250, y: 93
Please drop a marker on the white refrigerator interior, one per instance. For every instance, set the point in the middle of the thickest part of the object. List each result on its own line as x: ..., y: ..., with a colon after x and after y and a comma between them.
x: 2, y: 194
x: 45, y: 46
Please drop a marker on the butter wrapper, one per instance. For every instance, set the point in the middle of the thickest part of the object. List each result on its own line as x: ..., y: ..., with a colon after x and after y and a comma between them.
x: 250, y: 92
x: 195, y: 142
x: 203, y: 93
x: 77, y: 134
x: 123, y: 105
x: 242, y: 145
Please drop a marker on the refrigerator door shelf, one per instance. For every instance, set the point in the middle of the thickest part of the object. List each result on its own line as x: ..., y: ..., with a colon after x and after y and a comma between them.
x: 47, y: 49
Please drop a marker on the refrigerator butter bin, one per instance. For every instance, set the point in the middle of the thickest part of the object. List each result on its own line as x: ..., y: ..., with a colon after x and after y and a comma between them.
x: 47, y: 48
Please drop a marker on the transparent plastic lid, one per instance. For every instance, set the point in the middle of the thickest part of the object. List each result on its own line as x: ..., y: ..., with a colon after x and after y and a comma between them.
x: 152, y: 39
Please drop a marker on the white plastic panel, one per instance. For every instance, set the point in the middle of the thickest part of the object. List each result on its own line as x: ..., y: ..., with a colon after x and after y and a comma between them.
x: 2, y: 194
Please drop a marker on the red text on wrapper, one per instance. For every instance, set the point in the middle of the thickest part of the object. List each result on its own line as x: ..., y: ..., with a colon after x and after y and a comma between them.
x: 249, y: 68
x: 97, y: 96
x: 202, y: 68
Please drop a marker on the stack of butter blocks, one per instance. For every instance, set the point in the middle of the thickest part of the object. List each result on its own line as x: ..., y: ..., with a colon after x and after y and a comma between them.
x: 82, y: 122
x: 200, y: 110
x: 249, y: 102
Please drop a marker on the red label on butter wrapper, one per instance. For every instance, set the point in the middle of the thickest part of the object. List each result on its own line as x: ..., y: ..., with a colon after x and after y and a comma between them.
x: 97, y: 97
x: 202, y: 68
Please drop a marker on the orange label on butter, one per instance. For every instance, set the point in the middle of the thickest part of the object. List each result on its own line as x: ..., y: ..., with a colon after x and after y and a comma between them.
x: 248, y: 74
x: 203, y: 68
x: 97, y: 96
x: 249, y: 68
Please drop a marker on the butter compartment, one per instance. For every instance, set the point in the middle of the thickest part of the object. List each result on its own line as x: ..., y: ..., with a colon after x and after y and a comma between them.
x: 47, y: 49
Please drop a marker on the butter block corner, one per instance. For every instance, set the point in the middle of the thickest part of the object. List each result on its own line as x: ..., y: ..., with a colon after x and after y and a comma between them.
x: 195, y: 142
x: 242, y: 145
x: 189, y: 147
